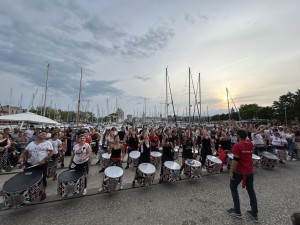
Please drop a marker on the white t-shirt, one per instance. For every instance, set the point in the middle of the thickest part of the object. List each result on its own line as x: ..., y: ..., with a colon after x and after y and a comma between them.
x: 55, y: 145
x: 257, y: 139
x: 29, y: 133
x: 80, y: 152
x: 277, y: 141
x: 38, y: 152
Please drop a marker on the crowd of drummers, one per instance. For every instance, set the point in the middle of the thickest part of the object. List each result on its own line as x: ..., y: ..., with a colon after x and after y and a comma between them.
x: 196, y: 141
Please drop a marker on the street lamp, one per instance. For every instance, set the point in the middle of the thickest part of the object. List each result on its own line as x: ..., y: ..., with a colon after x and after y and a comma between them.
x: 285, y: 115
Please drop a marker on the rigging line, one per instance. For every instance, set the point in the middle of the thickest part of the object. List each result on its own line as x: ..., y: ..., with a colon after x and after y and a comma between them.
x: 235, y: 106
x: 172, y: 102
x: 181, y: 102
x: 195, y: 100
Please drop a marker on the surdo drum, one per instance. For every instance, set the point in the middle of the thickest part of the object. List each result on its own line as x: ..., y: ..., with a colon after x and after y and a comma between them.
x: 70, y: 183
x: 23, y: 188
x: 213, y: 164
x: 281, y: 153
x: 105, y: 160
x: 171, y: 171
x: 268, y: 159
x: 146, y: 172
x: 112, y: 179
x: 51, y: 169
x: 134, y: 158
x: 155, y: 158
x: 192, y: 169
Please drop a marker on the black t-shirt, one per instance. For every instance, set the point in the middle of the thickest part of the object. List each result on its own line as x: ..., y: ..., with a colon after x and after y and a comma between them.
x: 121, y: 135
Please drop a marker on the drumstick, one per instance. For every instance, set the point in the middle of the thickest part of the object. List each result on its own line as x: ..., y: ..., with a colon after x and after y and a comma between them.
x: 31, y: 166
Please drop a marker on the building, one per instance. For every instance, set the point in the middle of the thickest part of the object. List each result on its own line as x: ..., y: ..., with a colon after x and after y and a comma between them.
x: 129, y: 118
x: 120, y: 115
x: 7, y: 110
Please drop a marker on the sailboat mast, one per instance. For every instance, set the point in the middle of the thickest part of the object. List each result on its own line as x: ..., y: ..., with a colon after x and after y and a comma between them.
x: 228, y: 104
x: 78, y: 105
x: 189, y: 95
x: 46, y: 90
x: 200, y: 103
x: 167, y: 96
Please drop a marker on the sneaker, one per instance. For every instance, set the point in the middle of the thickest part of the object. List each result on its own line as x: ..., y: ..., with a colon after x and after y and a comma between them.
x: 102, y: 170
x: 43, y: 196
x: 2, y: 171
x: 293, y: 159
x: 126, y: 167
x: 233, y: 213
x: 100, y: 190
x: 252, y: 216
x: 84, y: 191
x: 281, y: 162
x: 55, y: 177
x: 62, y: 165
x: 133, y: 183
x: 98, y: 162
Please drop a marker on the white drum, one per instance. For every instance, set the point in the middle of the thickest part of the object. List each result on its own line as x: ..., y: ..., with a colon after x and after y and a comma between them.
x: 213, y: 164
x: 112, y: 179
x: 195, y: 153
x: 134, y: 157
x: 229, y: 159
x: 171, y: 171
x: 146, y: 172
x: 176, y: 153
x: 255, y: 157
x: 192, y: 169
x: 160, y: 149
x: 105, y: 160
x: 155, y: 158
x: 268, y: 159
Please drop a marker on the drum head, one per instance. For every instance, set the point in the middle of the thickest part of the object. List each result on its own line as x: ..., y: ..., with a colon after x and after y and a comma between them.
x: 214, y: 159
x: 269, y: 155
x: 113, y: 172
x: 160, y: 148
x: 172, y: 165
x: 255, y: 157
x: 176, y: 150
x: 147, y: 168
x: 176, y: 147
x: 155, y: 154
x: 193, y: 163
x: 22, y: 181
x: 134, y: 154
x: 106, y: 155
x: 230, y: 155
x: 70, y: 175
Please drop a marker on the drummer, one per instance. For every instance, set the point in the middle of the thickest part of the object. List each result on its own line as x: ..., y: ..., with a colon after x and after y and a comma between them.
x: 38, y: 153
x: 80, y: 157
x: 117, y: 152
x: 145, y: 155
x: 133, y: 145
x: 187, y: 146
x: 167, y: 153
x: 154, y: 141
x: 57, y: 147
x: 279, y: 143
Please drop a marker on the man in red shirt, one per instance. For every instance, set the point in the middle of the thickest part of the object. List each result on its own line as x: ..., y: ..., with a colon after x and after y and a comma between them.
x: 242, y: 170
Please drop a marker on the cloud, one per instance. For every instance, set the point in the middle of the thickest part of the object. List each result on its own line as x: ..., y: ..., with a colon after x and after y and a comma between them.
x: 189, y: 18
x: 68, y: 37
x: 141, y: 78
x: 149, y: 43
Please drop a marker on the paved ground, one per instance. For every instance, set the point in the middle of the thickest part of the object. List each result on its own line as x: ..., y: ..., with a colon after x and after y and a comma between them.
x: 187, y: 202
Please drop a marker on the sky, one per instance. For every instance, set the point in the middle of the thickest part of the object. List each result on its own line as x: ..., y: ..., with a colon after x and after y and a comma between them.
x: 124, y: 47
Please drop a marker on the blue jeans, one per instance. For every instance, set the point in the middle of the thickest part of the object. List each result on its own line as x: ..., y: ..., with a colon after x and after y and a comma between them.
x: 249, y: 186
x: 291, y: 147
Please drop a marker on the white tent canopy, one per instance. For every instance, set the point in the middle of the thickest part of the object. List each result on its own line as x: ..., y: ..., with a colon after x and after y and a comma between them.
x: 27, y: 117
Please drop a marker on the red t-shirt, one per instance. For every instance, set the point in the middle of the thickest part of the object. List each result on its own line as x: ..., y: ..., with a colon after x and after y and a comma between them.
x: 244, y: 150
x: 155, y: 138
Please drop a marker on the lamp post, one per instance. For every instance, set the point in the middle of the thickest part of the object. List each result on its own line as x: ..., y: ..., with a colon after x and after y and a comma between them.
x: 285, y: 115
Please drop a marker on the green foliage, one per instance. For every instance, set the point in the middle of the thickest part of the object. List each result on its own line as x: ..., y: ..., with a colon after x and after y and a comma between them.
x: 287, y: 107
